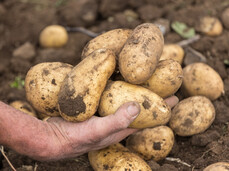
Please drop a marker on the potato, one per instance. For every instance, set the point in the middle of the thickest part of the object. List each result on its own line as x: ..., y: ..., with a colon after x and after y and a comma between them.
x: 173, y: 51
x: 166, y: 79
x: 154, y: 111
x: 24, y: 107
x: 116, y: 158
x: 210, y: 26
x: 192, y: 115
x: 42, y: 85
x: 201, y: 79
x: 152, y: 143
x: 53, y: 36
x: 224, y: 17
x: 219, y: 166
x: 82, y: 88
x: 113, y: 40
x: 140, y: 55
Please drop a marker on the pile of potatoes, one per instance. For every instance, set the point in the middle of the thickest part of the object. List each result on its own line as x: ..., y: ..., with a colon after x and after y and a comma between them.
x: 149, y: 71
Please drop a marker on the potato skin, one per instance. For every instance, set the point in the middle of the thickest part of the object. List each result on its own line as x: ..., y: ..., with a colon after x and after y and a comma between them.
x: 42, y: 85
x: 219, y: 166
x: 53, y: 36
x: 139, y: 57
x: 201, y: 79
x: 154, y: 111
x: 113, y: 40
x: 166, y: 79
x: 116, y: 158
x: 173, y: 51
x: 152, y: 143
x: 192, y: 115
x: 80, y: 92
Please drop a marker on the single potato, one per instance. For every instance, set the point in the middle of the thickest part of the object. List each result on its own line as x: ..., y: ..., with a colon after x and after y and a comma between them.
x: 53, y: 36
x: 166, y: 79
x: 224, y: 18
x: 154, y: 110
x: 173, y: 51
x: 219, y: 166
x: 113, y: 40
x: 201, y: 79
x: 24, y: 107
x: 192, y: 115
x: 152, y: 143
x: 140, y: 55
x: 82, y: 88
x: 42, y: 85
x: 116, y: 158
x: 210, y: 26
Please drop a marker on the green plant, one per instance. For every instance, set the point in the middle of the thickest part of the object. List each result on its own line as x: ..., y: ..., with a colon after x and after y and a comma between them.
x: 17, y: 83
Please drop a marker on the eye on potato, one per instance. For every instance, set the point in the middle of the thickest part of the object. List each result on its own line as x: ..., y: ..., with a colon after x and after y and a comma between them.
x: 192, y: 115
x: 81, y: 90
x: 201, y: 79
x: 53, y: 36
x: 219, y: 166
x: 151, y: 143
x: 42, y: 85
x: 166, y: 79
x: 173, y: 51
x: 116, y: 158
x: 113, y: 40
x: 24, y: 107
x: 140, y: 54
x: 154, y: 111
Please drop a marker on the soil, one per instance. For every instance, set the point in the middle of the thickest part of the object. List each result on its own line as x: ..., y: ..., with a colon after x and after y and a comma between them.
x: 21, y: 21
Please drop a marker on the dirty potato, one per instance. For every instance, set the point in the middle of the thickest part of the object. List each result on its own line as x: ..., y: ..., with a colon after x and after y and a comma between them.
x: 166, y: 79
x: 154, y: 111
x: 219, y: 166
x: 113, y: 40
x: 140, y: 55
x: 192, y: 115
x: 81, y: 90
x: 116, y: 158
x: 201, y: 79
x: 173, y: 51
x: 42, y: 85
x: 152, y: 143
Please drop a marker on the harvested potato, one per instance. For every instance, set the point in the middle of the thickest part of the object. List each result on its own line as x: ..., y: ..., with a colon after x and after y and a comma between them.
x: 224, y: 17
x: 140, y: 55
x: 42, y: 85
x: 152, y: 143
x: 116, y: 158
x: 113, y: 40
x: 154, y: 111
x: 166, y: 79
x: 192, y: 115
x: 82, y: 88
x: 24, y: 107
x: 210, y: 26
x: 201, y: 79
x: 53, y: 36
x: 219, y: 166
x: 173, y: 51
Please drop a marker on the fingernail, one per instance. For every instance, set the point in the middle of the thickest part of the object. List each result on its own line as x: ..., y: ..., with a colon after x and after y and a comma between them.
x: 133, y: 109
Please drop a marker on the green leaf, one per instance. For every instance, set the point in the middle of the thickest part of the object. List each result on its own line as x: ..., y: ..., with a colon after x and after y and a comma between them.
x: 17, y: 83
x: 183, y: 30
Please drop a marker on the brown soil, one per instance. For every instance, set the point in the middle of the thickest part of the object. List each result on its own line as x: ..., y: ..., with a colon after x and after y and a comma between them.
x: 22, y: 20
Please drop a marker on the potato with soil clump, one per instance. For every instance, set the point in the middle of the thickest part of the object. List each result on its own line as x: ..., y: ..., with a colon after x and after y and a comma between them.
x: 192, y: 115
x: 140, y: 55
x: 113, y: 40
x: 42, y: 85
x: 81, y: 90
x: 166, y: 79
x: 219, y: 166
x: 154, y: 110
x: 152, y: 143
x: 201, y: 79
x: 116, y: 158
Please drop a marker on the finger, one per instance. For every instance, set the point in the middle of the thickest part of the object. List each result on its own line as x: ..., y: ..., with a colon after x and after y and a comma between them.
x: 172, y: 101
x: 102, y: 127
